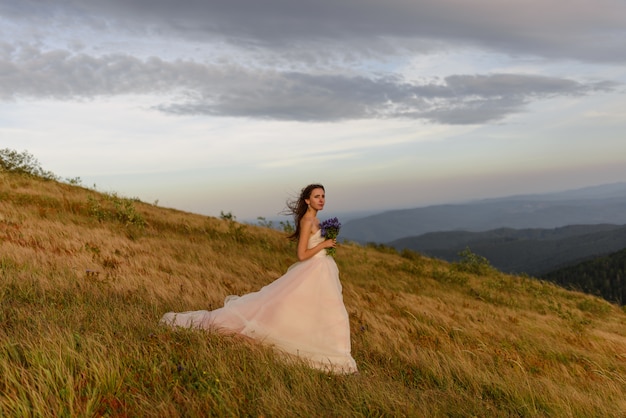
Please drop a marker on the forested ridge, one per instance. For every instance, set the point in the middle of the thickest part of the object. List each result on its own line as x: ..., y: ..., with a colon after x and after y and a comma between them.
x: 535, y: 251
x: 602, y: 276
x: 589, y: 258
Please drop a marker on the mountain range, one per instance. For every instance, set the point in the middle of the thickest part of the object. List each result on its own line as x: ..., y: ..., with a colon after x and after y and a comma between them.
x: 603, y: 204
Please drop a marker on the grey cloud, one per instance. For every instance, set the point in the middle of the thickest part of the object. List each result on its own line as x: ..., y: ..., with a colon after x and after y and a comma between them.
x: 460, y: 99
x: 62, y: 75
x: 242, y: 92
x: 593, y: 31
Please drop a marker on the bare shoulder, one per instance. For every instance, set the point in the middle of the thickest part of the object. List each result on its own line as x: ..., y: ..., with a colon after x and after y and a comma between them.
x: 309, y: 223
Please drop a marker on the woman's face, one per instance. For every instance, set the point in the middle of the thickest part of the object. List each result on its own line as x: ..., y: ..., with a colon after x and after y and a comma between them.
x: 317, y: 199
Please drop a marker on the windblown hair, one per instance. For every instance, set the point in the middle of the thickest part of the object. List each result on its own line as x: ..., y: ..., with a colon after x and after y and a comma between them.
x: 298, y: 208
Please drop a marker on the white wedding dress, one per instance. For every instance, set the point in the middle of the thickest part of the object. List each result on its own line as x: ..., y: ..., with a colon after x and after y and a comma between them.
x: 301, y: 313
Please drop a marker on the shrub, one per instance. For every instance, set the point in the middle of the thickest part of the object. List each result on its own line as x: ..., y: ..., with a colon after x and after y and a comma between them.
x: 236, y: 230
x: 113, y: 207
x: 23, y: 163
x: 472, y: 263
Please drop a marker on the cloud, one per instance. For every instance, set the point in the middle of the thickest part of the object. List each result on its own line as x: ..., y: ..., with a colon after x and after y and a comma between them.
x: 188, y: 87
x: 459, y: 99
x: 302, y: 61
x: 580, y: 30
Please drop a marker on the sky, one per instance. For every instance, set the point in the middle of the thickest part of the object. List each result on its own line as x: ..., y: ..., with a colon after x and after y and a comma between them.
x: 214, y: 106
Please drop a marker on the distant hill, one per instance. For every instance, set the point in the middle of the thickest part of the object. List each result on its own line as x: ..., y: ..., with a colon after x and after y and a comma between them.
x: 603, y: 204
x: 602, y: 276
x: 532, y: 251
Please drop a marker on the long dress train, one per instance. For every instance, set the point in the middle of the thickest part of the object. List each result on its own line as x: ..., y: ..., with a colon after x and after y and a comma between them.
x: 301, y: 313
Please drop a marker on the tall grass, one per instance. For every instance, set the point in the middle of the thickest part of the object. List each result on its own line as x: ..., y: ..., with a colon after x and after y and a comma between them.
x: 85, y: 277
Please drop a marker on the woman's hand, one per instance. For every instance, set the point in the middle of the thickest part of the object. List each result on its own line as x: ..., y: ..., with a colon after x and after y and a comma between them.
x: 329, y: 243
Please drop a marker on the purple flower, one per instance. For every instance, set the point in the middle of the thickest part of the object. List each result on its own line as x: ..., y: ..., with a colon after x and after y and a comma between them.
x: 330, y: 229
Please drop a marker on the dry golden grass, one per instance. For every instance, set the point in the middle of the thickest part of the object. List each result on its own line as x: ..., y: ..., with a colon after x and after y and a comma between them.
x: 85, y: 277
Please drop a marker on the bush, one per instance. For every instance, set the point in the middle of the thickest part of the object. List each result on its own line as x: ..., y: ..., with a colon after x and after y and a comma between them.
x: 473, y: 263
x: 113, y: 207
x: 23, y: 163
x: 236, y: 230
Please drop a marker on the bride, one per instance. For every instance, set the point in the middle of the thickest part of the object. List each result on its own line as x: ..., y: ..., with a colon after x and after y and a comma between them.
x: 301, y: 313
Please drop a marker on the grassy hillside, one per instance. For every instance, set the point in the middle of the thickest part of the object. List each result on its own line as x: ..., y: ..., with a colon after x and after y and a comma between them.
x: 85, y: 277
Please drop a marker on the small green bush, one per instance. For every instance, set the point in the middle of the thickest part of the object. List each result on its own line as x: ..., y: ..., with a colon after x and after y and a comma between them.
x: 236, y: 230
x: 23, y: 163
x: 113, y: 207
x: 472, y: 263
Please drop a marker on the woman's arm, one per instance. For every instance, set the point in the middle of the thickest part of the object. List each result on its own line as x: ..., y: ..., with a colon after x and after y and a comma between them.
x: 304, y: 253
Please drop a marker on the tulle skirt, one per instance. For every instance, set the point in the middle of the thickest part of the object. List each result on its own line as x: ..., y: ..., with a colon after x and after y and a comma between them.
x: 301, y: 313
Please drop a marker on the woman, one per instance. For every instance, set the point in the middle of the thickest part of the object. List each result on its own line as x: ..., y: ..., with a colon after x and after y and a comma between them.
x: 301, y: 313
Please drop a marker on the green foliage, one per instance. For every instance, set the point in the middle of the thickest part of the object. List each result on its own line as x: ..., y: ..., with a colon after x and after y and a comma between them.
x: 473, y: 263
x: 264, y: 222
x: 287, y: 227
x: 111, y: 207
x: 75, y: 181
x: 411, y: 255
x: 594, y: 306
x: 7, y: 265
x: 236, y: 230
x: 23, y: 163
x: 227, y: 216
x: 383, y: 248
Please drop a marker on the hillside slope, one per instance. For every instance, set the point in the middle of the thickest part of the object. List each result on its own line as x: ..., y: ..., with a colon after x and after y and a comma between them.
x: 85, y: 277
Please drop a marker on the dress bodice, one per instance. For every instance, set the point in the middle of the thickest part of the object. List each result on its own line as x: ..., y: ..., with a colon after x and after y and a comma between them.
x: 314, y: 240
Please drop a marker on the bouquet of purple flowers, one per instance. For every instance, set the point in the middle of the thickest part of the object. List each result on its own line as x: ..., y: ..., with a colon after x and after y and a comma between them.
x: 330, y: 230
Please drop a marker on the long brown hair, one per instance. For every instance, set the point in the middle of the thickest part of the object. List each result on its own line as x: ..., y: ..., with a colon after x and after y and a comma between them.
x: 298, y: 208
